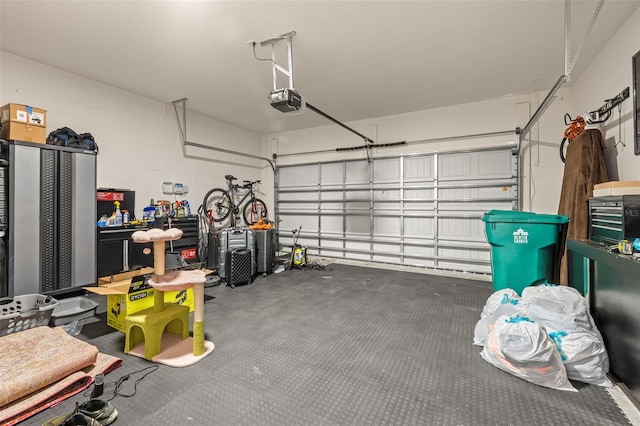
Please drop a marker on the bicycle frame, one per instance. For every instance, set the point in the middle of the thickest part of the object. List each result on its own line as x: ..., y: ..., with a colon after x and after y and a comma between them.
x: 225, y: 204
x: 233, y: 190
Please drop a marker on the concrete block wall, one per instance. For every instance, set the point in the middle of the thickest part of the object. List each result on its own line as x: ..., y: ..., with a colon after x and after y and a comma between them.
x: 138, y: 137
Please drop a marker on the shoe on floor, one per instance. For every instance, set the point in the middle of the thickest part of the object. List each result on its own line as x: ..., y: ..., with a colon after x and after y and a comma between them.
x: 99, y: 409
x: 73, y: 419
x: 94, y: 412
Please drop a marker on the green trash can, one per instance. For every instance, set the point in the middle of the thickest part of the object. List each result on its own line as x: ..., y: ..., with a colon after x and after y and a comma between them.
x: 526, y: 248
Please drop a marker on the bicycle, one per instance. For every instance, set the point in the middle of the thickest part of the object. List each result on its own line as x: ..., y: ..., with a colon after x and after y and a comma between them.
x: 219, y: 203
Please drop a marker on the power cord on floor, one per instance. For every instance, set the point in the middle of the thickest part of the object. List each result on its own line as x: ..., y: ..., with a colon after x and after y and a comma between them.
x: 117, y: 385
x: 316, y: 266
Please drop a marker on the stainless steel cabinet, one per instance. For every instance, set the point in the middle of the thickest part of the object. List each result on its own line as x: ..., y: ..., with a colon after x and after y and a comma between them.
x: 50, y: 197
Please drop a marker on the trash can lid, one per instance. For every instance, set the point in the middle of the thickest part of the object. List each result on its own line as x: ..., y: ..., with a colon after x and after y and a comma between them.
x: 526, y: 217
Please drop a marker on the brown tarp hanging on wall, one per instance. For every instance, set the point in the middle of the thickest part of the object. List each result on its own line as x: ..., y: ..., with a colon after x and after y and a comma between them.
x: 584, y: 167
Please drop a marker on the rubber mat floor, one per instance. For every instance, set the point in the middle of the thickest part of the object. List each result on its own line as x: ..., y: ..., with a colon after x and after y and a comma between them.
x: 347, y: 345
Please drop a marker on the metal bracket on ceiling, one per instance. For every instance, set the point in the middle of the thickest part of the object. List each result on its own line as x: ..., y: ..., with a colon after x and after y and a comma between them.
x: 287, y: 72
x: 183, y: 134
x: 569, y: 63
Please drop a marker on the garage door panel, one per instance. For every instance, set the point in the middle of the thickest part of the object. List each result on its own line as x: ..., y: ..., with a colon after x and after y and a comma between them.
x: 309, y: 223
x: 494, y: 164
x: 386, y: 194
x: 471, y: 206
x: 475, y: 165
x: 422, y: 210
x: 297, y: 206
x: 332, y: 224
x: 298, y: 176
x: 419, y: 227
x: 460, y: 228
x: 419, y: 168
x: 358, y: 225
x: 357, y: 173
x: 356, y: 207
x: 386, y: 226
x: 386, y: 208
x: 332, y: 195
x: 332, y: 253
x: 387, y: 170
x: 332, y: 174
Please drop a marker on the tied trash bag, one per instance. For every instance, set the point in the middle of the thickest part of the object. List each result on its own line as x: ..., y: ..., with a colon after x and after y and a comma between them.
x: 523, y: 348
x: 584, y: 355
x: 498, y: 298
x: 558, y: 308
x: 502, y: 302
x: 508, y: 307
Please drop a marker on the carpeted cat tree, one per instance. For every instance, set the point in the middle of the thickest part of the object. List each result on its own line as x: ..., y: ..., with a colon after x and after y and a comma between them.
x: 163, y: 332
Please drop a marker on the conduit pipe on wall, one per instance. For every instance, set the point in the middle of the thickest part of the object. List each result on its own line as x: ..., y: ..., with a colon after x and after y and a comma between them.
x: 183, y: 133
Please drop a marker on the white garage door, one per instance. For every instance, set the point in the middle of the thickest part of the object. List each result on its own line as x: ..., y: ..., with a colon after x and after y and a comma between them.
x: 421, y: 210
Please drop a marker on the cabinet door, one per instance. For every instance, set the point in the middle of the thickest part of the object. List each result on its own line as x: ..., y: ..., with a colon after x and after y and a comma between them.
x: 24, y: 221
x: 118, y: 253
x: 140, y: 255
x: 110, y: 256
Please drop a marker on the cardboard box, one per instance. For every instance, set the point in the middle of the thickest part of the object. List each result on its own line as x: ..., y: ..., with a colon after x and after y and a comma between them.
x: 129, y: 292
x: 23, y: 132
x: 622, y: 187
x: 23, y: 123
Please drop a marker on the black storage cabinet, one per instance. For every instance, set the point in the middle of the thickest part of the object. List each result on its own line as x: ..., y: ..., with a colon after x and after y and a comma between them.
x: 118, y: 253
x: 613, y: 218
x: 187, y: 246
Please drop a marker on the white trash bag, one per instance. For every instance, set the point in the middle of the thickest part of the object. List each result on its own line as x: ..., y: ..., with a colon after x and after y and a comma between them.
x: 498, y: 298
x: 486, y: 323
x: 523, y: 348
x: 584, y: 356
x: 558, y: 308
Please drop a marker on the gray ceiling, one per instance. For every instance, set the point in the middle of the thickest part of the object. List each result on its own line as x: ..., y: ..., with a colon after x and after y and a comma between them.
x: 352, y: 59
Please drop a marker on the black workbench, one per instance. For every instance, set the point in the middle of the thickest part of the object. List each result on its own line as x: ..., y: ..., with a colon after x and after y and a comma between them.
x: 611, y: 281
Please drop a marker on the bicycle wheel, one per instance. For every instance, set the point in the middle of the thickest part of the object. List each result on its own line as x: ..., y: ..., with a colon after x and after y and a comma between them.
x: 253, y: 211
x: 217, y: 204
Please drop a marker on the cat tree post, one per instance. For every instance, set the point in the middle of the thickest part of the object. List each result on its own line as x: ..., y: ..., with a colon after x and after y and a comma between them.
x: 158, y: 269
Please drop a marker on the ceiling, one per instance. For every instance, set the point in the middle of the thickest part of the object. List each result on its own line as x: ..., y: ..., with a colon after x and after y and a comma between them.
x: 351, y: 59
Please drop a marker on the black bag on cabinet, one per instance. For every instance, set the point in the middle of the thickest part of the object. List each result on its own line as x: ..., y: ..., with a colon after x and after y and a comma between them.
x: 65, y: 136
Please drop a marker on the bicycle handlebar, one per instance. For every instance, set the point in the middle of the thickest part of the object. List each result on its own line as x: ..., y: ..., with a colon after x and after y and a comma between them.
x: 247, y: 183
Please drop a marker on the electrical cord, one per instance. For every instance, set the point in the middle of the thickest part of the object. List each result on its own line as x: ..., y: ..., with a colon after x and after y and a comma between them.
x: 261, y: 59
x: 117, y: 385
x: 316, y: 266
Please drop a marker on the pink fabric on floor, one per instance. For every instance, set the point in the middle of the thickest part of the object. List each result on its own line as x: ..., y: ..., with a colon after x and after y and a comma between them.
x: 34, y: 358
x: 70, y: 367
